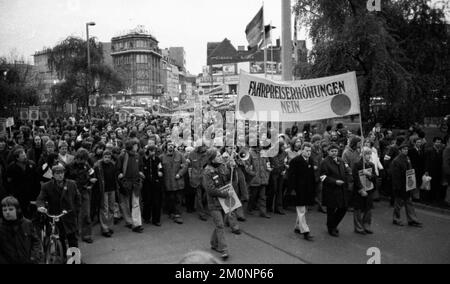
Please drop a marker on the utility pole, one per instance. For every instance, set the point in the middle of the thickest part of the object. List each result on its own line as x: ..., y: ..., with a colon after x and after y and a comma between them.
x: 287, y: 42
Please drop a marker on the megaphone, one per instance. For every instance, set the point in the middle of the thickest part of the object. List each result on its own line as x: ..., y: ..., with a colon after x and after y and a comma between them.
x: 244, y: 154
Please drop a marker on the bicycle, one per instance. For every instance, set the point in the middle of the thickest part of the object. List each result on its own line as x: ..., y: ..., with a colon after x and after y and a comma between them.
x: 53, y: 247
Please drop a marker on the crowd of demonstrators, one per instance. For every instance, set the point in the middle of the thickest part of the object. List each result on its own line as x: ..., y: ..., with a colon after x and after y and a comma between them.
x: 100, y: 170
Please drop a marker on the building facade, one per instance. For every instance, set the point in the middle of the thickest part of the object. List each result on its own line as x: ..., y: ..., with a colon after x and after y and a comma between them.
x: 178, y: 54
x: 137, y: 58
x: 46, y: 74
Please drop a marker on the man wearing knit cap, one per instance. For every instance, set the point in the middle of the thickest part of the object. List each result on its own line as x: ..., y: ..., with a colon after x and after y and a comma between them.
x: 335, y: 193
x: 402, y: 197
x: 213, y: 181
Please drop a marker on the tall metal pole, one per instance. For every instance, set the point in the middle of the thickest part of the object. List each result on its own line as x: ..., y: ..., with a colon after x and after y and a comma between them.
x: 287, y: 42
x: 88, y: 68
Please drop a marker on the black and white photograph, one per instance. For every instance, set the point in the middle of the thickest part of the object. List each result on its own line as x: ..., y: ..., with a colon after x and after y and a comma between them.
x: 246, y: 134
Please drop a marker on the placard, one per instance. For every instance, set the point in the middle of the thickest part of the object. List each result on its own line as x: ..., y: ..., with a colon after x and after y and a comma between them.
x: 231, y: 203
x: 366, y: 183
x: 411, y: 182
x: 24, y: 114
x: 34, y: 113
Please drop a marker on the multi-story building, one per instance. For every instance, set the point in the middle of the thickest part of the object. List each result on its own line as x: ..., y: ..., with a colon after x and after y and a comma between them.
x: 47, y: 75
x: 224, y: 63
x: 170, y: 78
x: 178, y: 54
x: 137, y: 59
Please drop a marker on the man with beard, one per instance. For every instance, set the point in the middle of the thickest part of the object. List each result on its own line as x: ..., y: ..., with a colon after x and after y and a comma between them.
x: 197, y: 162
x: 174, y: 168
x: 152, y: 189
x: 260, y: 169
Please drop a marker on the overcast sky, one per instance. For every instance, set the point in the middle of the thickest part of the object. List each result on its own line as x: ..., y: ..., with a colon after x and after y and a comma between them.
x: 30, y: 25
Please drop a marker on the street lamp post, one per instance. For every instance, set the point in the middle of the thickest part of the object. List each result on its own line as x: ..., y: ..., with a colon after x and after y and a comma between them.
x: 88, y: 61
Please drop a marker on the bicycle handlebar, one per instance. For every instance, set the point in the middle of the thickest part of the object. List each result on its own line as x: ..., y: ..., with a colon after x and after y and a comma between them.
x: 58, y: 216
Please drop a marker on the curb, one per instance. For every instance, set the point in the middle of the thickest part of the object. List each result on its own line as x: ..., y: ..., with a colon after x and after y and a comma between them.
x: 423, y: 207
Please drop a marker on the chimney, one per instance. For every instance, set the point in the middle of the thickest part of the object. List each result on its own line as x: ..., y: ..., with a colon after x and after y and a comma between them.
x: 241, y: 48
x: 278, y: 42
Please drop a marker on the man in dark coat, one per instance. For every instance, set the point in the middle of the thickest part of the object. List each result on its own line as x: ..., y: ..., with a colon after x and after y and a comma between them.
x: 433, y: 168
x: 213, y: 181
x: 301, y: 178
x: 174, y: 168
x: 400, y: 165
x: 152, y: 189
x: 19, y: 242
x: 335, y: 193
x: 107, y: 185
x: 22, y: 181
x: 363, y: 195
x: 417, y: 157
x: 62, y: 195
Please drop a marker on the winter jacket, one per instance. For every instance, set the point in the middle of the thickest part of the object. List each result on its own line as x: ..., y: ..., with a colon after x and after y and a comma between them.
x: 172, y: 165
x: 19, y: 243
x: 67, y: 198
x: 258, y: 170
x: 213, y: 180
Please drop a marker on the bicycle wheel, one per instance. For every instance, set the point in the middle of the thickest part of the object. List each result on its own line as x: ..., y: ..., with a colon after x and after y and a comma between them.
x: 54, y: 253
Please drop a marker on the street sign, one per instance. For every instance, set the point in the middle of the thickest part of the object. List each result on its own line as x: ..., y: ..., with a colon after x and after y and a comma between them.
x: 24, y: 114
x: 92, y: 101
x: 43, y: 114
x: 34, y: 113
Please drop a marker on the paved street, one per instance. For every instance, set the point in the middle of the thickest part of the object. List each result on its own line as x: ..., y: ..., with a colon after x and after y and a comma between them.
x: 274, y: 242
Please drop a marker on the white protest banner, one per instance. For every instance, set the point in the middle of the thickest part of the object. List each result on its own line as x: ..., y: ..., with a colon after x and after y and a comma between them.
x: 34, y: 113
x: 297, y: 101
x: 231, y: 203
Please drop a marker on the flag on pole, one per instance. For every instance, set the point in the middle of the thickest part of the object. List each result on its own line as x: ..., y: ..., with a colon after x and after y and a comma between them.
x: 255, y: 29
x: 267, y: 36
